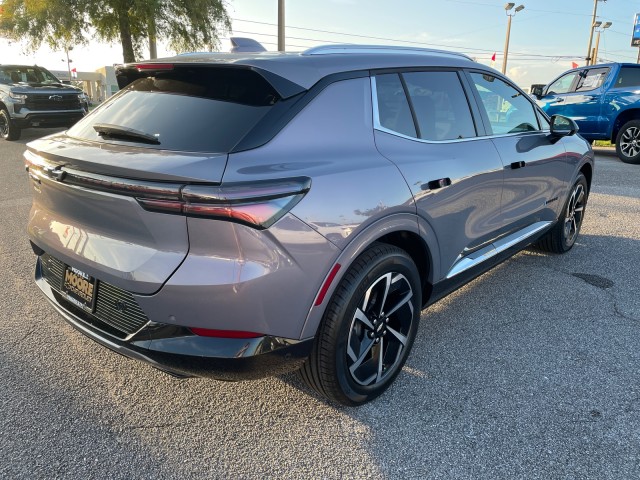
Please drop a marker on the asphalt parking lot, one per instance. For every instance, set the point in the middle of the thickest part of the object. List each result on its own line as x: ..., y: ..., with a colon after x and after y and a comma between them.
x: 530, y: 371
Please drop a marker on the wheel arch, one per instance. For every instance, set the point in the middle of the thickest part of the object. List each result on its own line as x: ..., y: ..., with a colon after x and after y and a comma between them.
x: 622, y: 118
x: 419, y: 252
x: 587, y: 171
x: 402, y: 230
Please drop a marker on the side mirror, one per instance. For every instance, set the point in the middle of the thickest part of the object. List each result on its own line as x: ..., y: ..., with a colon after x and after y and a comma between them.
x: 563, y: 126
x: 536, y: 90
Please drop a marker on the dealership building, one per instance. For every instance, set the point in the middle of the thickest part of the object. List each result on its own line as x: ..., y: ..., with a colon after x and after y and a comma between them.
x: 99, y: 85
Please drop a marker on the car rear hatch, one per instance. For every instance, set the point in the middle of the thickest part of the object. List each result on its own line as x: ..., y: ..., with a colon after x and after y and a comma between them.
x: 99, y: 188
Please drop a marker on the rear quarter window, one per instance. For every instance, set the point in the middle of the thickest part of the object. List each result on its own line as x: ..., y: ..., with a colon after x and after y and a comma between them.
x: 393, y: 107
x: 191, y: 109
x: 628, y: 77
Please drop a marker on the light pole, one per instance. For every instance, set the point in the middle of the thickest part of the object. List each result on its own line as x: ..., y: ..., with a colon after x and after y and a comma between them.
x: 281, y: 25
x: 593, y: 22
x: 507, y: 10
x: 605, y: 25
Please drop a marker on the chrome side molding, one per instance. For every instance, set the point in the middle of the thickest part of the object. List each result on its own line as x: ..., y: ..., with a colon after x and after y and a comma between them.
x: 466, y: 262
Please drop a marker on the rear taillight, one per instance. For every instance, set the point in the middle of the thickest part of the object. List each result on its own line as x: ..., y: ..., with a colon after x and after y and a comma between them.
x: 154, y: 66
x: 259, y: 204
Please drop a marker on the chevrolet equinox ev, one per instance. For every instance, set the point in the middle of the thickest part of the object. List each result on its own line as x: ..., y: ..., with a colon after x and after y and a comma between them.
x: 240, y: 215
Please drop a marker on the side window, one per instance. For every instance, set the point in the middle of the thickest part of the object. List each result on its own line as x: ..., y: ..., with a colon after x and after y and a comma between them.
x: 544, y: 123
x: 440, y: 105
x: 628, y: 77
x: 393, y: 108
x: 509, y: 110
x: 562, y: 85
x: 591, y: 79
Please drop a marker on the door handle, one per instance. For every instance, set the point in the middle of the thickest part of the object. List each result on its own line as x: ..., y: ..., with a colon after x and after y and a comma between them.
x: 559, y: 100
x: 435, y: 184
x: 515, y: 165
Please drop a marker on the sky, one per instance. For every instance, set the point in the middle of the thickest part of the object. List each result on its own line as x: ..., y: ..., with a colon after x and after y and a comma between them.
x: 546, y: 37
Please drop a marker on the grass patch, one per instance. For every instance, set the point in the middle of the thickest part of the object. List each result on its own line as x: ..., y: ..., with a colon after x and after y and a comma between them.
x: 602, y: 143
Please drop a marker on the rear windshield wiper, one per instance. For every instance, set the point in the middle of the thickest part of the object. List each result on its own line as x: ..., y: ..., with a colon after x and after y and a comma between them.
x: 118, y: 132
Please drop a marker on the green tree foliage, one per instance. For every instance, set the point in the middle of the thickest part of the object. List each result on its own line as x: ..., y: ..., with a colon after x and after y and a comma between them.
x: 186, y: 24
x: 43, y: 21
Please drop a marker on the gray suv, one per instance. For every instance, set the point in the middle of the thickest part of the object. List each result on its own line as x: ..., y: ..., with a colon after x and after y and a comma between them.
x: 31, y: 96
x: 239, y: 215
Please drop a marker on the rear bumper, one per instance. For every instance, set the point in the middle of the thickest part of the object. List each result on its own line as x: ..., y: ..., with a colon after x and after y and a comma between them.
x: 177, y: 351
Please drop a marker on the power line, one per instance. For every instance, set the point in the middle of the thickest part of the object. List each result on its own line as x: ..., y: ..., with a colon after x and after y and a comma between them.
x: 456, y: 47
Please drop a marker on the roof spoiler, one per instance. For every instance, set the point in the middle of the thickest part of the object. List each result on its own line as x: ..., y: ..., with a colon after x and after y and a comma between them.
x: 127, y: 73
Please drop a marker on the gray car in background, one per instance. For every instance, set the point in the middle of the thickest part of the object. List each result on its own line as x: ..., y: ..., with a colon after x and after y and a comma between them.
x: 240, y: 215
x: 32, y: 97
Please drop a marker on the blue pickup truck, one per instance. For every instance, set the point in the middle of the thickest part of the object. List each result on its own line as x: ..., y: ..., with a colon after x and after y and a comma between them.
x: 604, y: 100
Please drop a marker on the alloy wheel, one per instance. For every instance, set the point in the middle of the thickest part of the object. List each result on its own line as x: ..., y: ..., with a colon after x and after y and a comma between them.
x: 574, y: 214
x: 4, y: 126
x: 630, y: 142
x: 380, y: 329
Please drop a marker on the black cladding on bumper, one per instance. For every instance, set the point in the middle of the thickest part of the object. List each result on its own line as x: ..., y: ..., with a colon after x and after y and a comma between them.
x: 177, y: 351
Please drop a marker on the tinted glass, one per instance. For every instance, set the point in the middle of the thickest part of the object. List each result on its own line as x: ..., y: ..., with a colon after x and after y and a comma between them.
x: 562, y: 85
x: 591, y: 79
x: 508, y: 109
x: 440, y: 105
x: 628, y: 77
x: 189, y: 109
x: 17, y: 74
x: 393, y: 107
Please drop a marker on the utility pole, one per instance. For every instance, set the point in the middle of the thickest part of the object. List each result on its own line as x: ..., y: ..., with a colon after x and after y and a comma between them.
x: 593, y: 21
x: 510, y: 14
x: 281, y: 25
x: 506, y: 46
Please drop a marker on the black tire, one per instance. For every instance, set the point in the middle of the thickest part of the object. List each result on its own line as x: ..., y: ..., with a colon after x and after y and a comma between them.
x: 354, y: 360
x: 564, y: 233
x: 8, y: 129
x: 628, y: 142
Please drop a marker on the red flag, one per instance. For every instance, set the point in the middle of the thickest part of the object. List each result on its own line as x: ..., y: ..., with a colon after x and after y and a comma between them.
x: 574, y: 65
x: 493, y: 59
x: 74, y: 72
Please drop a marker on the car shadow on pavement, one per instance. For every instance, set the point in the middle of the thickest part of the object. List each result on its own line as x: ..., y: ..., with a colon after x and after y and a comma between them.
x: 524, y: 373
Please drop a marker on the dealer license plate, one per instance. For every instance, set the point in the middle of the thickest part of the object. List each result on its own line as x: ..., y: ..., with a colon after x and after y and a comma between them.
x: 79, y: 288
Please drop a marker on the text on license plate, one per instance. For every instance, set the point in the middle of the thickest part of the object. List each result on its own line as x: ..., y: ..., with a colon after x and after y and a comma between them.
x: 79, y: 287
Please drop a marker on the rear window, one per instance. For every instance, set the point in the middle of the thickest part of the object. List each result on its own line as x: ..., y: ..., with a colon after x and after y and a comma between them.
x: 628, y: 77
x: 191, y: 109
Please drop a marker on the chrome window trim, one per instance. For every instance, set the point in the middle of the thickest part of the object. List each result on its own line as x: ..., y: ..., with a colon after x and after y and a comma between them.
x: 380, y: 128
